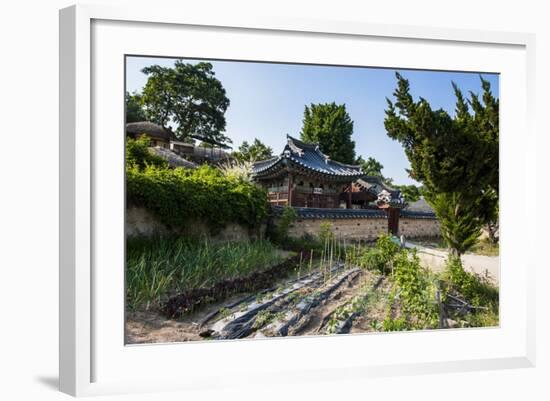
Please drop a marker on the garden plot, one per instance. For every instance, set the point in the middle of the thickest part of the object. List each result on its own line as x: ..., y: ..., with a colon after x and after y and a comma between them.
x: 299, y: 306
x: 312, y: 306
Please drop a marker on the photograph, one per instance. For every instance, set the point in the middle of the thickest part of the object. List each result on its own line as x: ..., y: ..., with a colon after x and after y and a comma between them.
x: 273, y: 199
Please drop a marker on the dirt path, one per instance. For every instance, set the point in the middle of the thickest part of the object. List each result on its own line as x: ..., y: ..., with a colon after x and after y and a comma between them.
x: 435, y: 259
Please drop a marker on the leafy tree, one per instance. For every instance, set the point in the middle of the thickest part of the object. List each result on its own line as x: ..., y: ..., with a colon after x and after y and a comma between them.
x: 134, y: 110
x: 253, y: 152
x: 455, y: 158
x: 331, y: 127
x: 371, y: 166
x: 190, y: 98
x: 411, y: 193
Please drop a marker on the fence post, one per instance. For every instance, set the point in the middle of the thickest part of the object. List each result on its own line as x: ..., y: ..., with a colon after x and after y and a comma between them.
x: 441, y: 312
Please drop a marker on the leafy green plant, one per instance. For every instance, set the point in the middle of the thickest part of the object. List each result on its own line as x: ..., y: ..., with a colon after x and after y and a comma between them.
x: 474, y: 288
x: 325, y: 232
x: 399, y: 324
x: 381, y: 256
x: 225, y: 313
x: 288, y: 216
x: 415, y: 291
x: 263, y: 318
x: 156, y: 267
x: 177, y: 196
x: 139, y: 156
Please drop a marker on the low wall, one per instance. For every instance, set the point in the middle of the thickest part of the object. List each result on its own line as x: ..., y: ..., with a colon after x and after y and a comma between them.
x: 352, y: 229
x: 141, y: 222
x: 360, y: 225
x: 419, y: 228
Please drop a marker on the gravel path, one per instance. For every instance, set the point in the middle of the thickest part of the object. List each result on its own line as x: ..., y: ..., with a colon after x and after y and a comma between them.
x: 480, y: 264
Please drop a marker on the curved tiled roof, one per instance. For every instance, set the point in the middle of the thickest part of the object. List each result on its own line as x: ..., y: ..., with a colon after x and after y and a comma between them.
x: 173, y: 159
x: 327, y: 213
x: 308, y: 157
x: 310, y: 213
x: 412, y: 214
x: 148, y: 128
x: 386, y: 194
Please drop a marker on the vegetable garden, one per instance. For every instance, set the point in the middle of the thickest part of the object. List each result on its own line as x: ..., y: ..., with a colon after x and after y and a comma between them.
x: 256, y: 290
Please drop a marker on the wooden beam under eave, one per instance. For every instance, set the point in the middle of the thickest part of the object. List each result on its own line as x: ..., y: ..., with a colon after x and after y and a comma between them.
x: 290, y: 176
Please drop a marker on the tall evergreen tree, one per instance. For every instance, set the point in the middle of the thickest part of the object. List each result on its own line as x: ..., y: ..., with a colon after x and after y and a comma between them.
x: 331, y: 127
x: 455, y: 158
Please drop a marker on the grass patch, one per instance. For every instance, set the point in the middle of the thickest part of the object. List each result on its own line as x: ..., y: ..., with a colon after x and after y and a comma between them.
x: 157, y: 267
x: 486, y: 247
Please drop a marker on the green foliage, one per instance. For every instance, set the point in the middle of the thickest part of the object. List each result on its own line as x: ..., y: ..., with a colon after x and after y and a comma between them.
x: 188, y: 96
x: 381, y: 256
x: 138, y: 154
x: 455, y: 158
x: 459, y: 220
x: 330, y: 126
x: 325, y: 232
x: 486, y: 247
x: 411, y: 193
x: 388, y: 247
x: 476, y: 290
x: 415, y: 291
x: 254, y: 152
x: 264, y: 317
x: 288, y: 216
x: 371, y: 166
x: 180, y: 195
x: 399, y: 324
x: 155, y: 267
x: 134, y: 108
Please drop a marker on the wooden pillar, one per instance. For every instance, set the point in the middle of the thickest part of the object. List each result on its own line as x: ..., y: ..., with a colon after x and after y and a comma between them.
x: 348, y: 203
x: 393, y: 221
x: 290, y: 189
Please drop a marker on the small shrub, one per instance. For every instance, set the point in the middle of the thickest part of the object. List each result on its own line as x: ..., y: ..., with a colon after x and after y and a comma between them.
x: 416, y: 292
x: 474, y: 288
x: 372, y: 259
x: 399, y: 324
x: 325, y: 232
x: 237, y: 170
x: 381, y: 257
x: 288, y: 216
x: 138, y: 154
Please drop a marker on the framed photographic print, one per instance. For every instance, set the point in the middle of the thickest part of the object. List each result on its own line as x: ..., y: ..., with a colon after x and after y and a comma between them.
x: 290, y: 200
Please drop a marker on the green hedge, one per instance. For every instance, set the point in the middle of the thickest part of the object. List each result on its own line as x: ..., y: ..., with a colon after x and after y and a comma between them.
x: 178, y: 195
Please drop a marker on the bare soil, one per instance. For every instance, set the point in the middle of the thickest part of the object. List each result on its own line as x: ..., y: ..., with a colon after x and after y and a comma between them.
x: 153, y: 327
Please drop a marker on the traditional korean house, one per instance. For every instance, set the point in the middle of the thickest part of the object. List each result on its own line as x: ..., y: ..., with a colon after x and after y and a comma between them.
x: 302, y: 176
x: 305, y: 178
x: 159, y: 136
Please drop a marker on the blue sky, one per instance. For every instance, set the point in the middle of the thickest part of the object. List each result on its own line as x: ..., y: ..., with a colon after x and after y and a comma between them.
x: 267, y: 100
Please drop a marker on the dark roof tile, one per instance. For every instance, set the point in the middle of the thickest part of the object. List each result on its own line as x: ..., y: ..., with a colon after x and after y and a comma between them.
x: 307, y: 156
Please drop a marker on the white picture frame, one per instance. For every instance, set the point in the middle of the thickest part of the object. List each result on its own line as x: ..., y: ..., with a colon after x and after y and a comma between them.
x: 91, y: 363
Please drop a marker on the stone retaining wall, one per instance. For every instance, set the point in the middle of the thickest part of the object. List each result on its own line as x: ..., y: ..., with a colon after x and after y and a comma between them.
x: 141, y: 222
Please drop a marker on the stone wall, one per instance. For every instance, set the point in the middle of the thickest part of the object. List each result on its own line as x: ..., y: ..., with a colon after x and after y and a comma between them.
x: 141, y: 222
x: 418, y: 228
x: 365, y: 229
